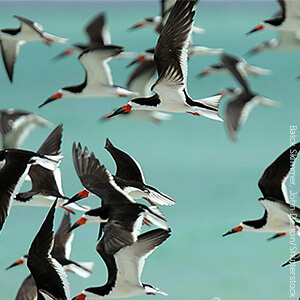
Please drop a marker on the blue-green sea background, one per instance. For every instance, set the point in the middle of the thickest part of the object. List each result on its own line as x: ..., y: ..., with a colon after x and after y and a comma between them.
x: 213, y: 180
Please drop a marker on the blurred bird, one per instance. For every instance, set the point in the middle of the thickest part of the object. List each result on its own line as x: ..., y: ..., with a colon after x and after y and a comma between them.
x: 97, y: 32
x: 157, y: 23
x: 16, y: 125
x: 286, y: 41
x: 242, y: 100
x: 12, y: 39
x: 287, y: 19
x: 242, y: 64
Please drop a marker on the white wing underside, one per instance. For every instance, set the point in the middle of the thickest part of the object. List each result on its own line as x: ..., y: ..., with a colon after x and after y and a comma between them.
x: 99, y: 72
x: 130, y: 264
x: 278, y: 220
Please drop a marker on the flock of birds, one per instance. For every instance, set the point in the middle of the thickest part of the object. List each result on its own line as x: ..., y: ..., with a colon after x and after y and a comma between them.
x: 164, y: 71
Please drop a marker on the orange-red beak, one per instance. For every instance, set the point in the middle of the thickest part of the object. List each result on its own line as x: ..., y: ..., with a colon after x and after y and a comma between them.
x: 234, y: 230
x: 137, y: 25
x: 125, y: 109
x: 79, y: 196
x: 257, y: 28
x: 67, y: 52
x: 17, y: 263
x: 78, y: 223
x: 56, y: 96
x: 79, y: 297
x: 204, y: 73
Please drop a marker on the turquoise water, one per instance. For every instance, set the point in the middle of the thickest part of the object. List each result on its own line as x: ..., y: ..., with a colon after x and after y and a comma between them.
x: 213, y: 180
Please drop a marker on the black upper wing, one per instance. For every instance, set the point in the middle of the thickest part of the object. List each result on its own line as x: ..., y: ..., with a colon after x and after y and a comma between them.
x: 95, y: 29
x: 44, y: 269
x: 52, y: 144
x: 96, y: 178
x: 127, y: 167
x: 174, y: 38
x: 273, y: 179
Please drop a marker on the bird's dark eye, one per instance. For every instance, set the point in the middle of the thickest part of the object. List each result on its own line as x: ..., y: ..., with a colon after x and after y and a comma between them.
x: 149, y: 20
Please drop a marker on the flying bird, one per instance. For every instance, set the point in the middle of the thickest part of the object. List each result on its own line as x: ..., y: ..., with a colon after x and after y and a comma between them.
x: 11, y: 39
x: 287, y: 19
x: 242, y: 100
x: 279, y: 215
x: 121, y: 216
x: 98, y: 82
x: 171, y: 56
x: 61, y: 251
x: 49, y: 275
x: 13, y: 173
x: 16, y: 125
x: 125, y: 268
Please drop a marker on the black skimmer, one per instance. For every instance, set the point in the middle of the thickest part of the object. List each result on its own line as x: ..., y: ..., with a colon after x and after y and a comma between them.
x: 240, y: 104
x: 13, y: 173
x: 46, y: 184
x: 286, y: 41
x: 61, y: 251
x: 49, y: 275
x: 16, y: 125
x: 279, y: 215
x: 130, y: 178
x: 171, y: 56
x: 98, y: 82
x: 287, y: 19
x: 123, y: 217
x: 292, y: 260
x: 242, y: 101
x: 12, y: 39
x: 98, y: 33
x: 144, y: 75
x: 125, y: 269
x: 157, y: 23
x: 140, y: 80
x: 243, y: 65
